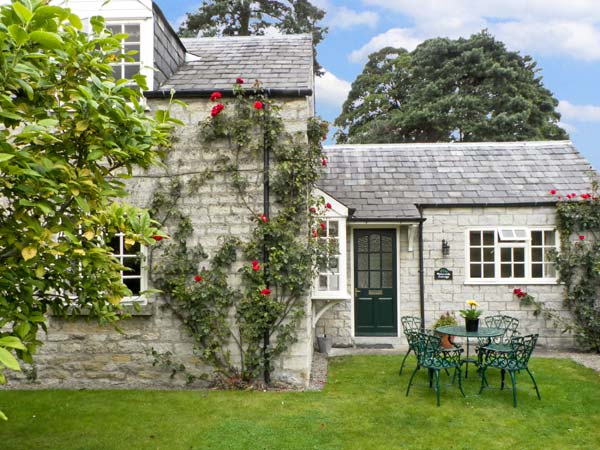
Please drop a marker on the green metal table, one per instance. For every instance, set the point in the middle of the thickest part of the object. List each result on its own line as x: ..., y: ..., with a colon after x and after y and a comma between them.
x: 482, y: 332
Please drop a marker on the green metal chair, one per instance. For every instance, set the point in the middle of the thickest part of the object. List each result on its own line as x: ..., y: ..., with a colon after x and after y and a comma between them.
x: 409, y: 324
x: 502, y: 342
x: 433, y: 358
x: 511, y: 360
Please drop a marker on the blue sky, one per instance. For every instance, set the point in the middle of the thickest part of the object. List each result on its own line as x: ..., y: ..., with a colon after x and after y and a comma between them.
x: 562, y: 36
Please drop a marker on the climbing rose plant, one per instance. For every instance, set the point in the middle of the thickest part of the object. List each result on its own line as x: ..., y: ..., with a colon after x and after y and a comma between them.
x: 243, y: 320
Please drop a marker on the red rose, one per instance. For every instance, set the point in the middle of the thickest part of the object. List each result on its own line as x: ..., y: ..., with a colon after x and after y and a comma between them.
x: 569, y: 196
x: 585, y: 196
x: 264, y: 218
x: 521, y: 294
x: 258, y: 105
x: 517, y: 291
x: 265, y: 291
x: 255, y: 265
x: 328, y: 205
x: 573, y: 195
x: 313, y: 210
x: 581, y: 237
x: 315, y: 233
x: 324, y: 162
x: 157, y: 238
x: 215, y: 96
x: 239, y: 80
x: 217, y: 109
x: 553, y: 191
x: 197, y: 278
x: 323, y: 226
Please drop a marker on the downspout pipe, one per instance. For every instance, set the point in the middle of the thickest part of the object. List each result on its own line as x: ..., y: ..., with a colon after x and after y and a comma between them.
x: 421, y: 270
x: 265, y: 251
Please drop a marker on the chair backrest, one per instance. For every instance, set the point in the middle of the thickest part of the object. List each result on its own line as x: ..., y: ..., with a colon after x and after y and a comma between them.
x: 410, y: 323
x: 506, y: 323
x: 522, y: 347
x: 426, y: 345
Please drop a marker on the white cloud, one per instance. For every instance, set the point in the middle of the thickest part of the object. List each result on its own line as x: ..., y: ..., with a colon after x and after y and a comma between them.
x: 394, y: 37
x: 578, y: 113
x: 331, y: 91
x: 571, y: 129
x: 347, y: 18
x: 550, y: 27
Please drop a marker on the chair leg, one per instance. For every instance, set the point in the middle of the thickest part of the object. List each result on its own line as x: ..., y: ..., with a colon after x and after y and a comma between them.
x: 404, y: 360
x: 459, y: 380
x: 437, y: 386
x: 411, y: 379
x: 514, y: 387
x: 534, y: 384
x: 483, y: 380
x: 430, y: 374
x: 502, y: 374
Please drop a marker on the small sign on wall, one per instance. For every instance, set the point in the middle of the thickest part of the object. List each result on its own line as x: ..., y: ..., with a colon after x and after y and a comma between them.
x: 443, y: 274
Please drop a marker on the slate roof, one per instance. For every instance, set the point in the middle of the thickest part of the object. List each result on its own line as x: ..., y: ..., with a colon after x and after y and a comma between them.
x: 385, y: 181
x: 279, y: 62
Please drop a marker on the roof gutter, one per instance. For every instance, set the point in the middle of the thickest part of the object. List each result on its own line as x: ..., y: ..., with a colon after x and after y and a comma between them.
x: 206, y: 93
x: 390, y: 219
x: 485, y: 204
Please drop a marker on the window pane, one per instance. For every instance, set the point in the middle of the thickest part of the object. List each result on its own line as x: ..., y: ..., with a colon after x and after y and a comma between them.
x: 387, y: 280
x: 521, y: 234
x: 475, y: 254
x: 387, y: 261
x: 363, y: 280
x: 506, y: 271
x: 131, y: 70
x: 374, y: 261
x: 488, y: 254
x: 488, y: 237
x: 363, y: 244
x: 505, y: 254
x: 375, y: 280
x: 134, y: 33
x: 135, y: 48
x: 550, y: 237
x: 549, y: 254
x: 536, y: 254
x: 519, y: 254
x: 488, y: 271
x: 334, y: 246
x: 375, y: 243
x: 536, y: 238
x: 134, y: 285
x: 132, y: 263
x: 334, y: 282
x: 115, y: 244
x: 333, y: 264
x: 114, y: 29
x: 475, y: 238
x: 475, y: 270
x: 550, y: 270
x: 333, y: 228
x: 386, y: 244
x: 537, y: 270
x: 363, y: 263
x: 519, y: 270
x: 117, y: 72
x: 322, y: 282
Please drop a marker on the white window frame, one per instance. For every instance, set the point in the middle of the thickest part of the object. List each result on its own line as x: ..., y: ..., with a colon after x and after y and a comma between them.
x: 123, y: 63
x: 515, y: 243
x: 338, y: 213
x: 143, y: 276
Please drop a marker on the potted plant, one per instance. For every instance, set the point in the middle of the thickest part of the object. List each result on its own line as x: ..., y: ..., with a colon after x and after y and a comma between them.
x: 471, y: 315
x: 446, y: 319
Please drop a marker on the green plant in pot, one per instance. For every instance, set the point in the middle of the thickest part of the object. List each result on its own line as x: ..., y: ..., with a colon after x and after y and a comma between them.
x: 446, y: 319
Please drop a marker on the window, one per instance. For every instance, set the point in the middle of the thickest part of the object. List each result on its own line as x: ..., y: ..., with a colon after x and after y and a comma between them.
x: 511, y: 255
x: 331, y: 280
x: 135, y: 277
x: 125, y: 68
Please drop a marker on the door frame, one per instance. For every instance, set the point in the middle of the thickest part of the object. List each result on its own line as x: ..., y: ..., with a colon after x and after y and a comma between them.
x: 374, y: 226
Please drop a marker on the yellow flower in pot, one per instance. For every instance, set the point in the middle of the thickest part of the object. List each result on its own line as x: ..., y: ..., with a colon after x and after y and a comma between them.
x: 471, y: 315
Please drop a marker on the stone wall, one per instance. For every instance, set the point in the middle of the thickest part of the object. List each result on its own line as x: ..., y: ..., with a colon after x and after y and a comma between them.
x: 441, y: 296
x: 79, y: 354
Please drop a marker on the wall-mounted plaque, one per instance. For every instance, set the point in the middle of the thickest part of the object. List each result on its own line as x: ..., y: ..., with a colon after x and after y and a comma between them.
x: 443, y: 274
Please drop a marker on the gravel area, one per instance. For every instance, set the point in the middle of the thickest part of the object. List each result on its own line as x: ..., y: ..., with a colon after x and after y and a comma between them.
x: 318, y: 376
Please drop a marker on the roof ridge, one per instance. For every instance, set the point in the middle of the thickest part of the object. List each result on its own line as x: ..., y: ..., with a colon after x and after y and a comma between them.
x: 454, y: 145
x: 296, y: 36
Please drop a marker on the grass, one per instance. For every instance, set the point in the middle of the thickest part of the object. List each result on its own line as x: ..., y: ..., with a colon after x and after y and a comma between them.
x: 363, y: 407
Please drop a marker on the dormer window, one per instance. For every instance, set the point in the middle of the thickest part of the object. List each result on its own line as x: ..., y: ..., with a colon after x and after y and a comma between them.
x: 130, y: 66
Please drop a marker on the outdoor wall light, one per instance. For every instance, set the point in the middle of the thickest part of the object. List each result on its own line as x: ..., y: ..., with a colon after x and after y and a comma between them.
x: 445, y: 247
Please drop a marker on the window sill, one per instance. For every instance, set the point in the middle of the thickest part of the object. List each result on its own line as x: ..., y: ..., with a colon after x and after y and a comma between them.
x: 144, y: 310
x: 332, y: 296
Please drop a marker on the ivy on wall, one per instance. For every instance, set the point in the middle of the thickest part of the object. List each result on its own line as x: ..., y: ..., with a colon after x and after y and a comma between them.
x: 243, y: 306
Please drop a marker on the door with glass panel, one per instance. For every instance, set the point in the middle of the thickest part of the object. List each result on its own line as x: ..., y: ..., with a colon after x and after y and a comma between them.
x: 375, y: 308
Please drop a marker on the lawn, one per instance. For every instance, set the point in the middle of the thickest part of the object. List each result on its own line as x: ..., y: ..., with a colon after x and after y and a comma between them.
x: 363, y: 407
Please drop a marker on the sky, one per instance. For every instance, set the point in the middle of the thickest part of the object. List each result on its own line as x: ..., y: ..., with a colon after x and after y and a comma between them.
x: 562, y: 36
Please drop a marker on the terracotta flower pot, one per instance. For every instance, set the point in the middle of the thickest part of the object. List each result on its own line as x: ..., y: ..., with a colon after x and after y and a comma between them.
x: 447, y: 341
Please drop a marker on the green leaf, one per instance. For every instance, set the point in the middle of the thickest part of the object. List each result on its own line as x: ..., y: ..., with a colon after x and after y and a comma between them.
x: 18, y: 33
x: 8, y: 360
x: 12, y: 342
x: 5, y: 157
x: 10, y: 115
x: 24, y: 14
x: 83, y: 204
x: 75, y: 21
x: 47, y: 39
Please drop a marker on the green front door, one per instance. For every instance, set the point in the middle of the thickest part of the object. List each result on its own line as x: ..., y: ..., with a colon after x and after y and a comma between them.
x: 375, y: 312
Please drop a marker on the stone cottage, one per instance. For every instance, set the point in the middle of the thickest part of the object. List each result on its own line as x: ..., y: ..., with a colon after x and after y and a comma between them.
x: 417, y: 229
